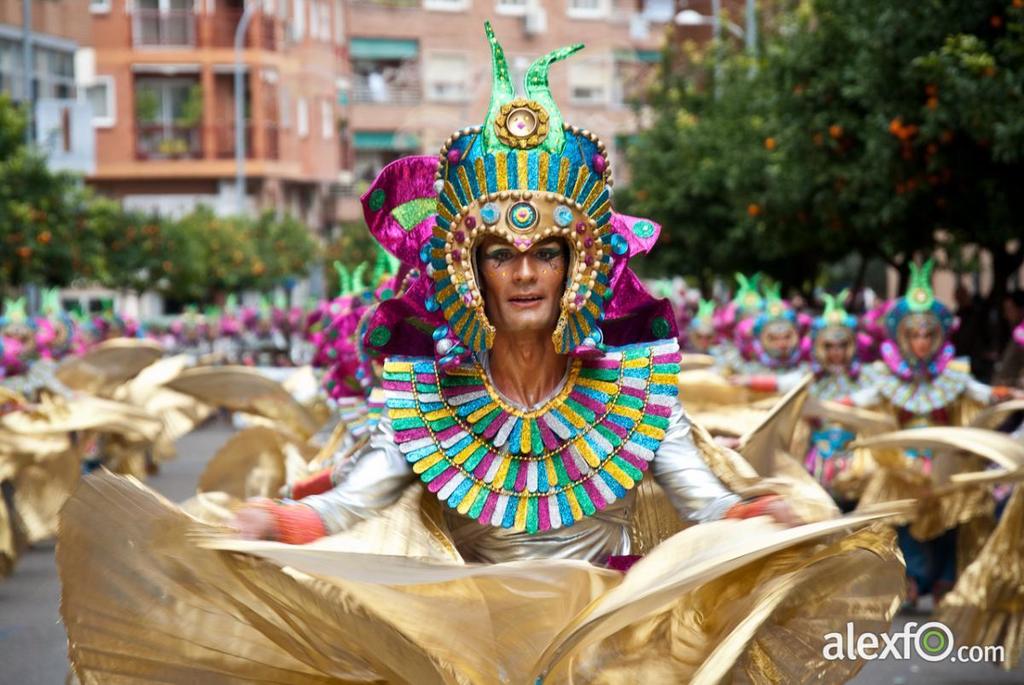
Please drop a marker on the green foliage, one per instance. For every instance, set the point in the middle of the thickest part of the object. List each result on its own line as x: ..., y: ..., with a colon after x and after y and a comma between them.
x: 43, y: 222
x: 211, y: 255
x: 869, y: 127
x: 353, y: 246
x: 192, y: 108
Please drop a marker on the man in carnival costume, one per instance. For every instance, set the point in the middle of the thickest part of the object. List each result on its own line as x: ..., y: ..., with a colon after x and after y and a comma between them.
x: 774, y: 360
x: 701, y: 336
x: 531, y: 301
x: 530, y: 386
x: 920, y: 383
x: 837, y: 376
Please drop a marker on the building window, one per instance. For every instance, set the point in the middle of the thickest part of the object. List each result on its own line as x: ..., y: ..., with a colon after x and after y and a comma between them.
x: 339, y: 23
x: 517, y: 7
x: 446, y: 5
x: 588, y: 83
x: 168, y: 113
x: 385, y: 71
x: 302, y: 117
x: 298, y: 19
x: 588, y: 9
x: 447, y: 76
x: 100, y: 95
x: 99, y: 6
x: 285, y: 107
x: 326, y: 119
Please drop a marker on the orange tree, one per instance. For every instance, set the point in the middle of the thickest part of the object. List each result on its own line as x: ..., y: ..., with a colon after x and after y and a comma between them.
x: 870, y: 128
x: 45, y: 235
x: 210, y: 256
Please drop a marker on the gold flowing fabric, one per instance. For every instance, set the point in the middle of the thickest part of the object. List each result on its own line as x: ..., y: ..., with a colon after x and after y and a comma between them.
x: 178, y: 413
x: 241, y: 389
x: 105, y: 367
x: 150, y: 594
x: 957, y: 490
x: 986, y: 607
x: 255, y: 462
x: 12, y: 537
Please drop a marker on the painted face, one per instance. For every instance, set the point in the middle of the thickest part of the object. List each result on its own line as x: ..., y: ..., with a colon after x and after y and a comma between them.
x: 921, y: 341
x: 779, y: 339
x: 837, y: 352
x: 522, y: 290
x: 701, y: 339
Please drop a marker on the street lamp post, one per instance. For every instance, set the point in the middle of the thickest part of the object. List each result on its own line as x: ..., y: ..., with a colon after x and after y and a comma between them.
x: 27, y: 67
x: 240, y: 31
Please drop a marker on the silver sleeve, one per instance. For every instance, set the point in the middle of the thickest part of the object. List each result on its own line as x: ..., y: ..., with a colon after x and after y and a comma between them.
x: 682, y: 473
x: 375, y: 480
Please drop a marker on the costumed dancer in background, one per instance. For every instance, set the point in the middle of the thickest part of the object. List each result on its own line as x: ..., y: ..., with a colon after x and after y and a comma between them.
x: 837, y: 376
x: 775, y: 359
x: 920, y: 383
x: 531, y: 388
x: 701, y: 335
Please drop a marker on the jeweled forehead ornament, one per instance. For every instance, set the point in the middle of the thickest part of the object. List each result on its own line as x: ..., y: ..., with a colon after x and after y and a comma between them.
x: 524, y: 176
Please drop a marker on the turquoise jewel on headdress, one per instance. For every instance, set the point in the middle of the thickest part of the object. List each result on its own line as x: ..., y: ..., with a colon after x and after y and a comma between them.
x: 523, y: 176
x: 522, y: 216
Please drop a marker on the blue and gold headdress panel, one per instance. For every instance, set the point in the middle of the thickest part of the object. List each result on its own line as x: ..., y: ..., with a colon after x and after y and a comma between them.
x: 526, y: 177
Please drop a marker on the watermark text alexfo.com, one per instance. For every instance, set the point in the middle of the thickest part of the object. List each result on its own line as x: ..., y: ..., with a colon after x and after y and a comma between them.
x: 932, y: 641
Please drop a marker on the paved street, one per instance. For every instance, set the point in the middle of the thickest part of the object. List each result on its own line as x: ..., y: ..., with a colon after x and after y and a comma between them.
x: 32, y: 641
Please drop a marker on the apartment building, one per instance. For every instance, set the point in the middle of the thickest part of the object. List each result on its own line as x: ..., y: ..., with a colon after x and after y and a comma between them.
x: 60, y: 124
x: 160, y: 78
x: 419, y: 69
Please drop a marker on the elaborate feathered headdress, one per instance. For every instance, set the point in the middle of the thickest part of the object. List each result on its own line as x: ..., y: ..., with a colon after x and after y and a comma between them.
x: 524, y: 176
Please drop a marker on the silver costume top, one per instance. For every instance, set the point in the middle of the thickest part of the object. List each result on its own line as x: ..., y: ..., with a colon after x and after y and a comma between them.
x: 379, y: 474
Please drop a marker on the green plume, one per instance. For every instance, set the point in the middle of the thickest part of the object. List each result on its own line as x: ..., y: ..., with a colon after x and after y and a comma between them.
x: 358, y: 276
x: 344, y: 279
x: 502, y: 90
x: 920, y: 296
x: 538, y: 89
x: 706, y: 309
x: 14, y: 310
x: 747, y: 298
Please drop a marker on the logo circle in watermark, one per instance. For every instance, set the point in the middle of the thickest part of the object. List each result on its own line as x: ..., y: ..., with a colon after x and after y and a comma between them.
x: 933, y: 641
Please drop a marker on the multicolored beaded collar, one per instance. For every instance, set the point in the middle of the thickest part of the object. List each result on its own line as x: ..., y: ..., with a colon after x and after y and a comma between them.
x: 920, y: 396
x: 534, y: 470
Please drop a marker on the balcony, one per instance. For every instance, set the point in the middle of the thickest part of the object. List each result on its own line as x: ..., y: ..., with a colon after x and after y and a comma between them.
x: 262, y: 32
x: 224, y: 142
x: 161, y: 142
x: 154, y: 28
x: 386, y: 95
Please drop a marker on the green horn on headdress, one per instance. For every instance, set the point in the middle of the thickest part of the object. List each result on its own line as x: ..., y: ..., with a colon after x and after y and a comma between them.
x: 264, y: 307
x: 231, y: 304
x: 14, y: 310
x: 835, y: 304
x: 538, y: 89
x: 706, y: 309
x: 344, y: 279
x: 502, y: 90
x: 50, y: 305
x: 358, y: 284
x: 920, y: 295
x: 747, y: 297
